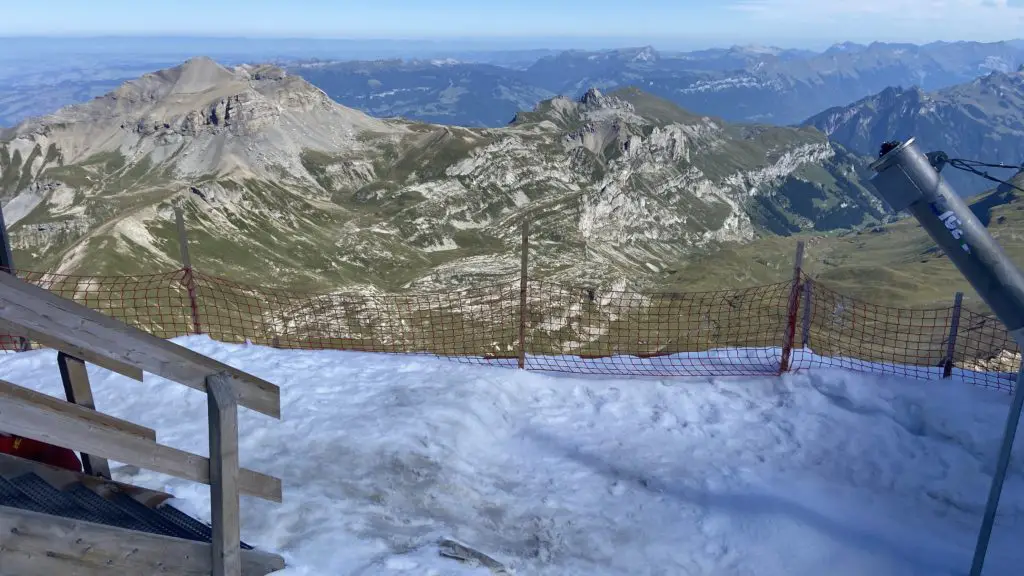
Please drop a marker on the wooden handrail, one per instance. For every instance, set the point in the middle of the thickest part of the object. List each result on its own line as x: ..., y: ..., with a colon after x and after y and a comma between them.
x: 121, y: 368
x: 81, y: 333
x: 13, y: 391
x: 24, y: 413
x: 80, y: 330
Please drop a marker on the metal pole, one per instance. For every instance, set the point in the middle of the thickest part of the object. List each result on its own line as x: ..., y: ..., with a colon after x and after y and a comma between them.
x: 996, y: 489
x: 906, y: 180
x: 6, y: 260
x: 7, y: 265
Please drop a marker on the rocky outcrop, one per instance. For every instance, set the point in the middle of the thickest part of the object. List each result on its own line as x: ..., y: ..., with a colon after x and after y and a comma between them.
x: 286, y: 184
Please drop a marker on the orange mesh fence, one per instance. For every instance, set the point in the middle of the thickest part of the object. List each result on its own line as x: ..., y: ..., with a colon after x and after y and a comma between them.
x: 156, y: 303
x: 839, y: 331
x: 581, y: 330
x: 570, y: 329
x: 471, y: 323
x: 985, y: 354
x: 849, y: 333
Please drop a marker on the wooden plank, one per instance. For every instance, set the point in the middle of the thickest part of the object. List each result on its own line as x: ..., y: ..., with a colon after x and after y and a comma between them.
x: 93, y: 417
x: 223, y: 413
x: 186, y: 264
x: 789, y: 330
x: 34, y: 544
x: 954, y: 328
x: 73, y: 428
x: 82, y: 328
x: 114, y: 366
x: 805, y: 338
x: 179, y: 221
x: 78, y: 391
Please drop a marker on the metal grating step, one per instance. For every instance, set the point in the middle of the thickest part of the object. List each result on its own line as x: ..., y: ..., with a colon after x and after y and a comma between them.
x: 109, y: 512
x: 186, y: 522
x: 52, y: 500
x: 11, y: 496
x: 32, y: 492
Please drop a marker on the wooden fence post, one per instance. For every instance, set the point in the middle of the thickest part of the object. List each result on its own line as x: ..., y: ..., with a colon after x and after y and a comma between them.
x: 77, y: 390
x: 954, y: 327
x: 805, y: 338
x: 7, y: 265
x: 222, y: 406
x: 186, y: 264
x: 523, y: 287
x: 793, y: 309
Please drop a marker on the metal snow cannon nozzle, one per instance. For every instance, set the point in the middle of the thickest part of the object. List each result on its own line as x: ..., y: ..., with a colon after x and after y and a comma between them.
x: 906, y: 180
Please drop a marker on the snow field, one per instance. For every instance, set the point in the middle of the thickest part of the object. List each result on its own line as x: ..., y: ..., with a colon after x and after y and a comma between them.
x: 823, y: 472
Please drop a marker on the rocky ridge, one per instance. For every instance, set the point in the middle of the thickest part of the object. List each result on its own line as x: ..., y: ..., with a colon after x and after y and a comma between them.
x: 282, y: 185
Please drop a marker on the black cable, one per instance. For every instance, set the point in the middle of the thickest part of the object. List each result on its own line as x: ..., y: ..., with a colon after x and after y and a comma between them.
x: 972, y: 167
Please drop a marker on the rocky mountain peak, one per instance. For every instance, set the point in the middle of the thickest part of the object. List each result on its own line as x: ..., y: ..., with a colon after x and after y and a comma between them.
x: 978, y: 119
x: 594, y: 99
x: 198, y: 118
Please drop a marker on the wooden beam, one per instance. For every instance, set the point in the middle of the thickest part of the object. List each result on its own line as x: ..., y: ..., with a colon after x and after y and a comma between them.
x: 524, y: 284
x: 223, y: 413
x: 789, y: 330
x: 179, y: 222
x: 186, y: 265
x: 34, y: 544
x: 73, y: 427
x: 113, y: 365
x: 82, y: 328
x: 78, y: 391
x: 13, y: 391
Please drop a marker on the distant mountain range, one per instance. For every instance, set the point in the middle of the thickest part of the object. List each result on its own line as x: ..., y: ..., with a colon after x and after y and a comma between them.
x: 759, y: 84
x: 979, y: 120
x: 282, y: 184
x: 486, y: 89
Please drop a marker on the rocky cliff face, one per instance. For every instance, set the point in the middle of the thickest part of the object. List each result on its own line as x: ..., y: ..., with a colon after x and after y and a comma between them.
x: 980, y: 120
x: 282, y: 185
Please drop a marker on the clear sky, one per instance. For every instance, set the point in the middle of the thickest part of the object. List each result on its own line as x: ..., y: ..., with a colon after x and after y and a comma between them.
x: 694, y: 22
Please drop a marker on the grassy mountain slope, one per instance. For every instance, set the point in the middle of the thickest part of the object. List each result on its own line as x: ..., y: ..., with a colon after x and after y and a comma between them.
x: 895, y: 264
x: 281, y: 185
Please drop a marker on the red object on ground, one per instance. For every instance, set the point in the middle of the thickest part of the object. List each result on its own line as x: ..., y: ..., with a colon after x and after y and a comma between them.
x: 39, y: 452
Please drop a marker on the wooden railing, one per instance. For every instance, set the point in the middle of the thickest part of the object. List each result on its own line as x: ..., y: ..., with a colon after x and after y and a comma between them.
x: 82, y: 334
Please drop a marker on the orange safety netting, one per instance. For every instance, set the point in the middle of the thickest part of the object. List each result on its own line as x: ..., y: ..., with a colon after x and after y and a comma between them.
x: 556, y: 327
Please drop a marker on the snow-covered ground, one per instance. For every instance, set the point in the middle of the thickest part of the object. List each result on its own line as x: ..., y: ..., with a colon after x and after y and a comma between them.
x: 822, y: 472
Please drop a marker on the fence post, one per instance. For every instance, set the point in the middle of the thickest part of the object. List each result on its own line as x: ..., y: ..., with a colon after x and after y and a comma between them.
x: 222, y: 409
x: 523, y: 286
x: 7, y: 265
x: 186, y: 264
x: 805, y: 337
x: 954, y: 327
x: 77, y: 390
x: 793, y: 309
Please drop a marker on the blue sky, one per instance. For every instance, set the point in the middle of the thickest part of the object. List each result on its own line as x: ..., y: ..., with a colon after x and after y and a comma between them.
x: 695, y: 22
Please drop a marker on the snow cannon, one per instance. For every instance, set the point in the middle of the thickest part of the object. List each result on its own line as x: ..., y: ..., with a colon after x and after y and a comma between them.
x: 909, y: 180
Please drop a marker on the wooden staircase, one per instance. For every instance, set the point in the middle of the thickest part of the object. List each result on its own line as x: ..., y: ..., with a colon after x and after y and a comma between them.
x: 58, y: 522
